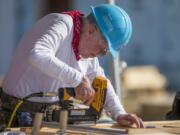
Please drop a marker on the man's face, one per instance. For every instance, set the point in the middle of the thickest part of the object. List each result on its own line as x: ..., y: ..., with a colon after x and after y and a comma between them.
x: 92, y: 43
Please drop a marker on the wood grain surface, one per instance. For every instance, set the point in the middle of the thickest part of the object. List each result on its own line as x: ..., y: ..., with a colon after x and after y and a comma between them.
x: 152, y: 128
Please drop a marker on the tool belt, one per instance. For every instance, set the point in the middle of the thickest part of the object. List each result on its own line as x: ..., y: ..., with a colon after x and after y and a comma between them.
x: 9, y: 102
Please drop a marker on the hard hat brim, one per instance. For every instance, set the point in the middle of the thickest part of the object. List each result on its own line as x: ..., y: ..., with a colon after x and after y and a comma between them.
x: 113, y: 52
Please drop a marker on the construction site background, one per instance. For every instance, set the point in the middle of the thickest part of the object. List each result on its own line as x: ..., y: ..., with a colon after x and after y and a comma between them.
x: 152, y: 74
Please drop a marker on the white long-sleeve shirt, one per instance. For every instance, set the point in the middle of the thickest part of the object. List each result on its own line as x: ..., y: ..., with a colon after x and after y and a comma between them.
x: 45, y: 62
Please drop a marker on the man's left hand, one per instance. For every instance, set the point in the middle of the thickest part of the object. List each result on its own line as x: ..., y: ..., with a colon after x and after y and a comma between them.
x: 128, y: 120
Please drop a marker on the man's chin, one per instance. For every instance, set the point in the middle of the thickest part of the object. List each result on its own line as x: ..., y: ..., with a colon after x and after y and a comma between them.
x: 84, y: 56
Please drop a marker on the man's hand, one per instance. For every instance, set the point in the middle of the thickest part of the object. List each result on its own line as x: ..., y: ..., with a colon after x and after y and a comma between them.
x: 128, y: 120
x: 85, y: 92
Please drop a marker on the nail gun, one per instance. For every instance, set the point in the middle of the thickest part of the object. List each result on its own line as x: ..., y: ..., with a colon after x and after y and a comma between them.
x: 82, y: 114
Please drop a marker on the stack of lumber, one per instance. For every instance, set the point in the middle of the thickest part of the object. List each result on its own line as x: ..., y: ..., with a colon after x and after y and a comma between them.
x: 144, y: 92
x: 143, y: 77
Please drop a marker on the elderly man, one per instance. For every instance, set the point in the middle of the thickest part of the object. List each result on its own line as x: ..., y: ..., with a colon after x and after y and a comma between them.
x: 61, y: 50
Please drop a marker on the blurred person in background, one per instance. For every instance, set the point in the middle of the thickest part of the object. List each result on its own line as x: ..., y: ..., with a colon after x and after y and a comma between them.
x: 61, y: 50
x: 174, y: 114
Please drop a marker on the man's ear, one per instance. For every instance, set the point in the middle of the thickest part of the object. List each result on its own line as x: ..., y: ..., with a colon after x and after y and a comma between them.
x: 91, y: 28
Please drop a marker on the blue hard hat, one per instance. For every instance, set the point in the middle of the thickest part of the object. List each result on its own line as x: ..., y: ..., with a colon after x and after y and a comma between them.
x: 115, y: 25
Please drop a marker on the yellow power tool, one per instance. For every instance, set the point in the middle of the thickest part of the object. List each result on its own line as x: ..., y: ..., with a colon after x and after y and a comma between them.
x: 83, y: 114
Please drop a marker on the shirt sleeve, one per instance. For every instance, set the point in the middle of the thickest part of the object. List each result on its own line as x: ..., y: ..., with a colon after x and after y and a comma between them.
x: 112, y: 102
x: 43, y: 54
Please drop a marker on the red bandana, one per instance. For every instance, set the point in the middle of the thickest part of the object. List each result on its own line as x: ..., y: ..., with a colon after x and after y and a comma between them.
x: 77, y: 22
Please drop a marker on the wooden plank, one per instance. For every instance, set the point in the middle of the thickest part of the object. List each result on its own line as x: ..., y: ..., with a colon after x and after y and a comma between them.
x: 93, y: 128
x: 52, y: 131
x: 173, y: 123
x: 49, y: 131
x: 152, y: 127
x: 155, y: 127
x: 163, y: 127
x: 171, y: 127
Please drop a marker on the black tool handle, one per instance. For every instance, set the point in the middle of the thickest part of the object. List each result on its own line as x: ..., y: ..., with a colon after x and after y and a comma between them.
x: 65, y: 104
x: 70, y: 91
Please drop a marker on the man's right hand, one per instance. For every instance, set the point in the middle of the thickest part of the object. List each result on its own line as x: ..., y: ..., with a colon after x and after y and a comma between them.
x: 85, y: 92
